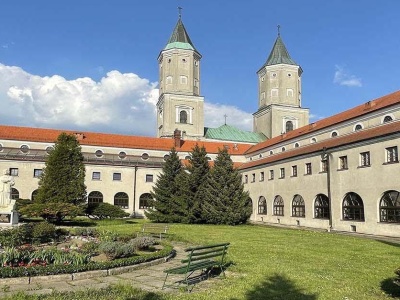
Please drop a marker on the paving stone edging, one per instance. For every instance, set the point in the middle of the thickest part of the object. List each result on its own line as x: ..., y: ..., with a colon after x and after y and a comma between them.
x: 83, y: 275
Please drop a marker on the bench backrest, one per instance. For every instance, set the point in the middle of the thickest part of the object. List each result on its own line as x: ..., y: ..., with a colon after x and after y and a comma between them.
x: 154, y: 227
x: 198, y: 254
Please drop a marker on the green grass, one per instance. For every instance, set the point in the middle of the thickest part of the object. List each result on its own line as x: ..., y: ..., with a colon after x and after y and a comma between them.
x: 279, y: 263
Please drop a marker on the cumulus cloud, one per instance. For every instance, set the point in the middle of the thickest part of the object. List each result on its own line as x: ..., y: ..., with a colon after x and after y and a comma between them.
x: 342, y: 77
x: 214, y: 116
x: 117, y: 103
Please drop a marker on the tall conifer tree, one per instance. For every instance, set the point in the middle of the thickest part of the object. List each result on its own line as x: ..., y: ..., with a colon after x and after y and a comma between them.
x: 168, y: 203
x: 198, y: 170
x: 223, y: 198
x: 63, y: 178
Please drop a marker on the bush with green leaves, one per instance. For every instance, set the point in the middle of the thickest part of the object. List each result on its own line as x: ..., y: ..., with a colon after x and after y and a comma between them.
x: 143, y: 242
x: 115, y: 250
x: 16, y: 236
x: 44, y: 232
x: 86, y: 231
x: 105, y: 211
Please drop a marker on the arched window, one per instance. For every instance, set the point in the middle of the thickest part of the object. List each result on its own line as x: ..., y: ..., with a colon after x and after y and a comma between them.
x: 145, y: 201
x: 95, y: 197
x: 321, y: 207
x: 34, y: 194
x: 298, y: 206
x: 14, y: 193
x: 278, y: 206
x: 387, y: 119
x: 121, y: 199
x: 389, y: 207
x: 358, y: 127
x: 262, y: 206
x: 289, y: 126
x: 183, y: 117
x: 353, y: 207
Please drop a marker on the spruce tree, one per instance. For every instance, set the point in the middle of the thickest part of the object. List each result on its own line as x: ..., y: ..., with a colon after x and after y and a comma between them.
x: 198, y: 170
x: 63, y: 178
x: 224, y: 199
x: 169, y: 205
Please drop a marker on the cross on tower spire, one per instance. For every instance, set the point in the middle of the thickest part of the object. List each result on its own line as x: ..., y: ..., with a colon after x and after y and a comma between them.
x: 225, y: 116
x: 279, y: 30
x: 180, y: 12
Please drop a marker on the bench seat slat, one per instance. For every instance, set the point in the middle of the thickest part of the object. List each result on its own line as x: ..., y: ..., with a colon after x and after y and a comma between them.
x: 197, y: 258
x: 193, y: 267
x: 206, y: 247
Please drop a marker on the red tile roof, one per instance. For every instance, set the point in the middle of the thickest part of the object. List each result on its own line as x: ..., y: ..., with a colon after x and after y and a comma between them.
x: 115, y: 140
x: 357, y: 136
x: 357, y: 111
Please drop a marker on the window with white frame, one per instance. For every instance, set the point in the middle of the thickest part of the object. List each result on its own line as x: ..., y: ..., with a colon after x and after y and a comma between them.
x: 37, y: 173
x: 392, y: 154
x: 308, y: 169
x: 117, y: 176
x: 343, y: 165
x: 96, y: 176
x: 289, y: 92
x: 183, y: 79
x: 261, y: 176
x: 294, y: 171
x: 282, y: 173
x: 365, y: 159
x: 14, y: 171
x: 169, y: 80
x: 271, y: 174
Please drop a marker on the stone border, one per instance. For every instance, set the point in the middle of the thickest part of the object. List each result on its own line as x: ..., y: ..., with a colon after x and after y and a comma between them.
x: 84, y: 275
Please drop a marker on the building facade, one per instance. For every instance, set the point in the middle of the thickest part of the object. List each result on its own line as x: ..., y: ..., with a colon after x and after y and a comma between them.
x: 339, y: 173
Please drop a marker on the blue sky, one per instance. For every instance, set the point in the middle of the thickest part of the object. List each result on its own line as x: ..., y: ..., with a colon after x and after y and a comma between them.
x: 92, y: 65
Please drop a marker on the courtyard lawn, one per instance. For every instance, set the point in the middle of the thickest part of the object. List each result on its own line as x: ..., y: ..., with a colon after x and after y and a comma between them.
x: 280, y: 263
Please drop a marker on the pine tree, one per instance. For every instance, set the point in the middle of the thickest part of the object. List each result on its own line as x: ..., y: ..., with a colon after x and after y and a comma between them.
x: 223, y: 198
x: 198, y: 170
x: 169, y: 205
x: 63, y: 178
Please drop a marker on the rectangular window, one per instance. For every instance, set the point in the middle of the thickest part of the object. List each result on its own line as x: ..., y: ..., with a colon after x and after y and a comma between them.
x: 343, y: 163
x: 271, y: 174
x: 253, y: 177
x: 324, y: 166
x: 392, y: 155
x: 308, y: 169
x: 117, y: 176
x: 282, y: 173
x: 262, y: 176
x: 294, y: 171
x: 149, y: 178
x: 96, y: 176
x: 14, y: 171
x: 37, y: 173
x: 365, y: 159
x: 246, y: 179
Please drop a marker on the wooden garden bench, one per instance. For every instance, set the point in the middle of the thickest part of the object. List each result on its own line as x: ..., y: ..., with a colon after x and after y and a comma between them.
x: 157, y: 229
x: 202, y: 258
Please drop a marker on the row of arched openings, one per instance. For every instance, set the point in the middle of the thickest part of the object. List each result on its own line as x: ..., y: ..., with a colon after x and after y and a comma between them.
x: 121, y: 199
x: 352, y: 207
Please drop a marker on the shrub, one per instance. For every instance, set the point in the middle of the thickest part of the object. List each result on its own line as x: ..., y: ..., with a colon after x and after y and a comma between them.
x: 91, y: 248
x: 84, y: 231
x: 7, y: 272
x: 16, y: 236
x: 115, y: 250
x: 105, y: 211
x: 143, y: 242
x: 52, y: 212
x: 44, y: 232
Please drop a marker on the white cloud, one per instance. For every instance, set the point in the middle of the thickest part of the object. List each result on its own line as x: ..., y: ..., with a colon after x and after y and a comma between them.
x: 117, y: 103
x: 121, y: 103
x: 214, y: 116
x: 342, y: 77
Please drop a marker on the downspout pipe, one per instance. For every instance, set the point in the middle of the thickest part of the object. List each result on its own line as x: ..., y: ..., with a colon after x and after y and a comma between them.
x: 134, y: 192
x: 326, y: 157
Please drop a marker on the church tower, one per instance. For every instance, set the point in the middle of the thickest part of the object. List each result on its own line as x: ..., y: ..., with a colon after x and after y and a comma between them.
x: 279, y: 94
x: 180, y: 105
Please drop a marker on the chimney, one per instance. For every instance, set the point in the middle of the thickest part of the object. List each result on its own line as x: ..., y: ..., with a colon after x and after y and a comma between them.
x: 177, y: 138
x: 79, y: 136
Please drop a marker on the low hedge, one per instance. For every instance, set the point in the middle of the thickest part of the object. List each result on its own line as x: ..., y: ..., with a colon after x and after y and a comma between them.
x: 7, y: 272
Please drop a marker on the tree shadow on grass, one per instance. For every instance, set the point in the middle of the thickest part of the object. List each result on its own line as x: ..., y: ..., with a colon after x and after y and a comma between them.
x: 390, y: 287
x: 394, y: 244
x: 277, y: 287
